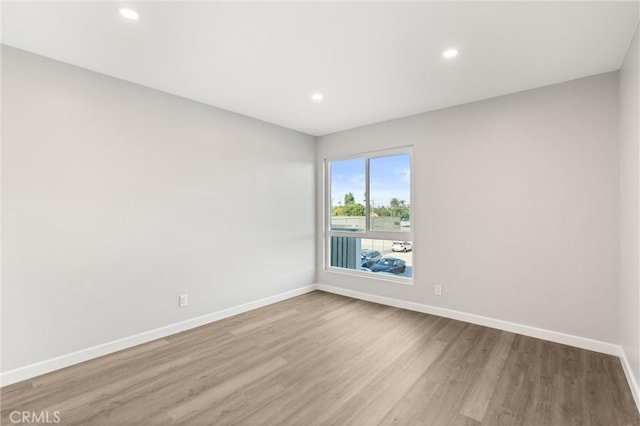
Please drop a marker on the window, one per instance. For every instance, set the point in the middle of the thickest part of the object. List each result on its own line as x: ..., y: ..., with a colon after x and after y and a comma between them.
x: 369, y: 214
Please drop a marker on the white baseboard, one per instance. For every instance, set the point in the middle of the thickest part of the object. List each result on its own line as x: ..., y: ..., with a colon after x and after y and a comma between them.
x: 631, y: 378
x: 42, y: 367
x: 553, y: 336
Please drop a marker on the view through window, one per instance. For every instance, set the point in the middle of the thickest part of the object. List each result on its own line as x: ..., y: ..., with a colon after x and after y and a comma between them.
x: 370, y: 226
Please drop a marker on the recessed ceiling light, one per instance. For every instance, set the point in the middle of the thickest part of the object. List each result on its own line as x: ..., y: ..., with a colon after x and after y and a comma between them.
x: 317, y: 97
x: 450, y: 53
x: 129, y: 13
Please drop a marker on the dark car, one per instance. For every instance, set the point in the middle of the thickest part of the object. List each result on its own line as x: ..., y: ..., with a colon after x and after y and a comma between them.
x: 370, y: 257
x: 389, y: 264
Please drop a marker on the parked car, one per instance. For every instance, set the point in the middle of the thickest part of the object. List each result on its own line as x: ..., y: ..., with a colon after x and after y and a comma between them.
x: 390, y: 264
x: 401, y: 246
x: 370, y: 257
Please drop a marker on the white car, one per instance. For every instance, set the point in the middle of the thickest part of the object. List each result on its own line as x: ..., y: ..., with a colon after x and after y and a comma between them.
x: 401, y: 246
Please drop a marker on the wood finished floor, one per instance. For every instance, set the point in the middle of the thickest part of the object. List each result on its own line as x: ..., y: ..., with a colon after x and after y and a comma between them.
x: 326, y: 359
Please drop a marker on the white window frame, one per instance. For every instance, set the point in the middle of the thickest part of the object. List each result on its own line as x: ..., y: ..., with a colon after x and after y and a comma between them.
x: 367, y: 233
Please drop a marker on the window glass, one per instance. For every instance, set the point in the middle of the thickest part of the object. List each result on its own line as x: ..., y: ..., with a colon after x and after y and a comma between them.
x: 381, y: 257
x: 390, y: 188
x: 348, y: 187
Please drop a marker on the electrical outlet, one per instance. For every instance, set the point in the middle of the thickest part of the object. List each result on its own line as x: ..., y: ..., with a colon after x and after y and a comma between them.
x: 438, y: 290
x: 183, y: 300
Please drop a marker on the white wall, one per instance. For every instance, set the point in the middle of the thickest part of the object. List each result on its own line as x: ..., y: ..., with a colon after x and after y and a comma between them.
x: 515, y: 206
x: 117, y: 198
x: 629, y: 212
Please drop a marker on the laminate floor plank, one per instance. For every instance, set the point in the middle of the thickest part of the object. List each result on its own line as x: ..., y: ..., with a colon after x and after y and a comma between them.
x: 336, y: 369
x: 477, y: 400
x: 324, y: 359
x: 372, y: 398
x: 439, y: 393
x: 381, y: 353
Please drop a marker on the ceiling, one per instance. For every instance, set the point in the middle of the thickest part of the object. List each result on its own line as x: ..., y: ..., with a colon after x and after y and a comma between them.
x: 372, y: 61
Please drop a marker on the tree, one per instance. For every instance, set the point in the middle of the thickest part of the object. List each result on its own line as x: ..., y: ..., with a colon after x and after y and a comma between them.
x: 354, y: 209
x: 394, y: 203
x: 349, y: 199
x: 350, y: 208
x: 382, y: 211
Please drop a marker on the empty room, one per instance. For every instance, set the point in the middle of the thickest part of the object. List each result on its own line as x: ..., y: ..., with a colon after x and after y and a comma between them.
x: 320, y: 213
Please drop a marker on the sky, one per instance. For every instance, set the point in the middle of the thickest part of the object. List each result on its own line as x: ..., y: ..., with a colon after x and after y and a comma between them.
x: 390, y: 177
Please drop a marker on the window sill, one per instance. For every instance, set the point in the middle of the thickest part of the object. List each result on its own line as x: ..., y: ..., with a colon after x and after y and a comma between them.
x: 369, y: 275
